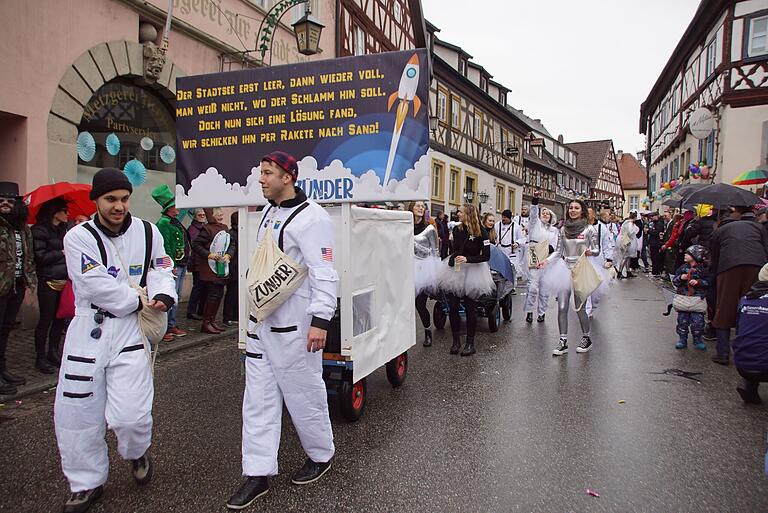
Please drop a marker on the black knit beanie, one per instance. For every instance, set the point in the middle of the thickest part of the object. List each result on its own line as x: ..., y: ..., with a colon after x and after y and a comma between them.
x: 109, y: 179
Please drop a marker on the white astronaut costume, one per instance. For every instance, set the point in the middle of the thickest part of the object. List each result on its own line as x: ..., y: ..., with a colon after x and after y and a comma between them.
x: 607, y: 248
x: 506, y: 236
x: 521, y: 255
x: 278, y: 366
x: 537, y: 299
x: 107, y: 380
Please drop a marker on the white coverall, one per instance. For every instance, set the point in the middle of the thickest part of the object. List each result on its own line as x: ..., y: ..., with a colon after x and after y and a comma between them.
x: 607, y: 249
x: 506, y: 236
x: 107, y: 380
x: 278, y: 366
x: 535, y: 298
x: 520, y: 260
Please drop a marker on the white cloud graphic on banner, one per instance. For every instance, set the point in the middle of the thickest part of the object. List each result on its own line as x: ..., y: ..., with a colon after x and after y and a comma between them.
x: 332, y: 184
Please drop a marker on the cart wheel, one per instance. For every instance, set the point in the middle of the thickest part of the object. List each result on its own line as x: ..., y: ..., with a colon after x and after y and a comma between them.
x: 351, y: 398
x: 493, y: 319
x: 506, y: 307
x: 397, y: 369
x: 438, y: 316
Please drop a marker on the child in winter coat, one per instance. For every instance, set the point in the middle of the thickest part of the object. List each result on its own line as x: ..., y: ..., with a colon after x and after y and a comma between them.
x: 692, y: 280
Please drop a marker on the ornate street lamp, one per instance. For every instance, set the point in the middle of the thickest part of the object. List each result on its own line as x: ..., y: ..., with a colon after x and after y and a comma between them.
x: 433, y: 125
x: 469, y: 194
x: 483, y: 197
x: 308, y: 31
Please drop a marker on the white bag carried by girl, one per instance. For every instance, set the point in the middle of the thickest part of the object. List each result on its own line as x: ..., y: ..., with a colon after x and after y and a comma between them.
x: 273, y: 275
x: 585, y: 281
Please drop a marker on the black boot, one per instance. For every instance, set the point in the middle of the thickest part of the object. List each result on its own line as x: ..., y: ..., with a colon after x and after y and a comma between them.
x: 42, y: 365
x: 529, y: 317
x: 427, y: 337
x: 469, y: 347
x: 12, y: 379
x: 456, y: 347
x: 53, y: 355
x: 7, y: 388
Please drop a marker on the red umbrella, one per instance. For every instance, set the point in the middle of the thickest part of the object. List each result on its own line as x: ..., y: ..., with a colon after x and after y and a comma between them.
x: 75, y: 194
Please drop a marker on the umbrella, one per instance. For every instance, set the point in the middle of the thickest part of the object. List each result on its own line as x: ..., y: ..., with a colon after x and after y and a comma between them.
x: 753, y: 177
x: 723, y: 195
x: 683, y: 192
x: 75, y: 194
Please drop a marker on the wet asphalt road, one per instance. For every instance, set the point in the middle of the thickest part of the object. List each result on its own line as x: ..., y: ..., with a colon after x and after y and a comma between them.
x: 510, y: 429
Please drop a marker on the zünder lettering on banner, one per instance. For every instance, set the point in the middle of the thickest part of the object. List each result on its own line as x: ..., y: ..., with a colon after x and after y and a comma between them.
x: 357, y: 125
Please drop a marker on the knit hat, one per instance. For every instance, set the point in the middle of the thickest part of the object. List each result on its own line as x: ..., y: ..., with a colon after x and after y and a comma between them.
x: 698, y: 253
x: 763, y: 274
x: 9, y: 190
x: 507, y: 213
x: 164, y: 197
x: 284, y: 161
x: 109, y: 179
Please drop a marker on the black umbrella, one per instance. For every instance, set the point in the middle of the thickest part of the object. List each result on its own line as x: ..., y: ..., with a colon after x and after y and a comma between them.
x: 683, y: 192
x: 723, y: 195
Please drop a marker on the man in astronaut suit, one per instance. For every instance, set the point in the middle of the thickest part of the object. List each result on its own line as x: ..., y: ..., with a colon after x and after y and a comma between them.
x: 509, y: 238
x: 607, y: 248
x: 105, y: 377
x: 284, y: 352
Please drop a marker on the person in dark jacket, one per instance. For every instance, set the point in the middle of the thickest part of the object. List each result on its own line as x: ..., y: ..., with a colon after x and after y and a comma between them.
x: 668, y: 256
x: 17, y: 272
x: 655, y: 232
x: 51, y: 266
x: 692, y: 279
x: 750, y: 348
x: 443, y: 233
x: 199, y: 288
x: 214, y: 282
x: 231, y: 313
x: 739, y: 249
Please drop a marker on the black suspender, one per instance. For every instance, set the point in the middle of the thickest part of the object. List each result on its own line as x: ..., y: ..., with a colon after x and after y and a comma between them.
x: 148, y: 241
x: 99, y: 243
x: 290, y: 218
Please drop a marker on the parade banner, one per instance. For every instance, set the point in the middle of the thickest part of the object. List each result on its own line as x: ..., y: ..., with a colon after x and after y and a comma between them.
x: 358, y: 127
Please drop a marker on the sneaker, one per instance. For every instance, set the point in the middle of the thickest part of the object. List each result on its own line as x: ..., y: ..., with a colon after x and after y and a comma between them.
x: 79, y: 502
x: 168, y: 336
x: 562, y: 347
x: 681, y: 344
x: 586, y: 345
x: 249, y: 491
x: 310, y: 472
x: 142, y: 469
x: 177, y: 332
x: 701, y: 346
x: 540, y: 318
x: 529, y: 317
x: 747, y: 397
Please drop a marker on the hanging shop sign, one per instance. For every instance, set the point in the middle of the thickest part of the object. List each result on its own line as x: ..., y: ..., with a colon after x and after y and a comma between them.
x: 701, y: 122
x: 358, y: 127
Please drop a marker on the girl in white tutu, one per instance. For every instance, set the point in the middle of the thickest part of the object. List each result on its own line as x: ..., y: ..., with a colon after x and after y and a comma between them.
x: 426, y: 263
x: 466, y: 276
x: 541, y: 231
x: 577, y: 237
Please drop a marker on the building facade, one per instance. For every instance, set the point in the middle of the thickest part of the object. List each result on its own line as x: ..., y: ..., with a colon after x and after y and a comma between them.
x: 634, y: 181
x: 720, y: 69
x: 597, y: 160
x: 478, y: 143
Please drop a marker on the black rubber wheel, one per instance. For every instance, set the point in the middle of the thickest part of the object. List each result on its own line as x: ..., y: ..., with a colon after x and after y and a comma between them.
x: 506, y: 308
x: 493, y: 319
x: 397, y: 369
x: 351, y: 398
x: 438, y: 316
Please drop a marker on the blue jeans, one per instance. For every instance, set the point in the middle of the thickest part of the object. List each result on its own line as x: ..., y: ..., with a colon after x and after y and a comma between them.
x: 181, y: 272
x: 693, y: 320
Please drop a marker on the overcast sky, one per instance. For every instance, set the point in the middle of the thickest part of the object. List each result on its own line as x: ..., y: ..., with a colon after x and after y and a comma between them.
x: 582, y: 66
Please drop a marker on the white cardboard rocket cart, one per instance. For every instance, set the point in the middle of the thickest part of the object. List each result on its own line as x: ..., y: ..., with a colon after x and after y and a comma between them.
x: 375, y: 323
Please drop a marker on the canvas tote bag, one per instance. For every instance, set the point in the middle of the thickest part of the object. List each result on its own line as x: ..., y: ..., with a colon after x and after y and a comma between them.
x: 272, y: 277
x: 585, y: 281
x: 538, y: 252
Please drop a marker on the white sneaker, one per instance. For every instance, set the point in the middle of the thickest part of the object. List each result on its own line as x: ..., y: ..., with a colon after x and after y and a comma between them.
x: 586, y: 345
x: 562, y: 347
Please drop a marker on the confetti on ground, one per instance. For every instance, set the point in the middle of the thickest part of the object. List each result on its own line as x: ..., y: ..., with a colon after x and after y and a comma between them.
x: 18, y: 403
x: 622, y: 401
x: 592, y: 493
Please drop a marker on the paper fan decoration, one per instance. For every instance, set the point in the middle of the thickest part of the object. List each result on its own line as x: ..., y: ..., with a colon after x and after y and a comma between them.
x: 86, y: 146
x: 147, y: 143
x: 135, y: 171
x: 113, y: 144
x: 167, y: 154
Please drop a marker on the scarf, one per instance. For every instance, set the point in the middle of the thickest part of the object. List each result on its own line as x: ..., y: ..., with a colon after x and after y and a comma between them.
x: 574, y: 228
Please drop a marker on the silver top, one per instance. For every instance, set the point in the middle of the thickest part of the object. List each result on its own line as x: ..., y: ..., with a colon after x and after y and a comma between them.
x: 425, y: 243
x: 571, y: 249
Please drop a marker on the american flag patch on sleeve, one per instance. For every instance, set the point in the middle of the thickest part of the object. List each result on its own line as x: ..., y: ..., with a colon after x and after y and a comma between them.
x: 327, y: 254
x: 163, y: 262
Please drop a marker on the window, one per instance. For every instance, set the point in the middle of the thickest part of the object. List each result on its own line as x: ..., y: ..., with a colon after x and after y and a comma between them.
x: 438, y: 184
x: 264, y: 4
x: 665, y: 174
x: 757, y: 37
x: 634, y: 202
x: 502, y: 97
x: 711, y: 58
x: 483, y: 84
x: 397, y: 12
x: 455, y: 197
x: 511, y: 199
x: 462, y: 66
x: 653, y: 182
x: 359, y: 41
x: 441, y: 106
x: 455, y: 112
x: 470, y: 184
x: 478, y: 126
x: 499, y: 197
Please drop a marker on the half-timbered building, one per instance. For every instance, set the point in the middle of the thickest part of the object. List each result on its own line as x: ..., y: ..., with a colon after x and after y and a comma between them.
x: 374, y: 26
x: 478, y: 144
x: 717, y: 76
x: 597, y: 160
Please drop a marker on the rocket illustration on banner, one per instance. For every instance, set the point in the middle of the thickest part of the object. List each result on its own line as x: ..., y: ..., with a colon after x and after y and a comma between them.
x: 406, y: 93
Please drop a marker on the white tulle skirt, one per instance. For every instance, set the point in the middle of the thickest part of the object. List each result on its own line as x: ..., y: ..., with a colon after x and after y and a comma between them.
x: 598, y: 262
x: 556, y: 277
x: 472, y: 280
x: 426, y: 273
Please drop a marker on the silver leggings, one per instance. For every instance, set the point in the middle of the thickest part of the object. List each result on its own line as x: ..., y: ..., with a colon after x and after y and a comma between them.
x: 563, y: 305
